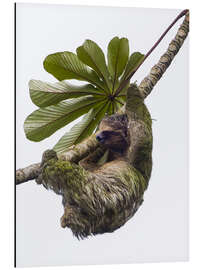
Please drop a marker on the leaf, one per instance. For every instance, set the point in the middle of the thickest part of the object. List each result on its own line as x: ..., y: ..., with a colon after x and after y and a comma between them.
x: 133, y: 62
x: 44, y: 122
x: 66, y: 65
x: 111, y: 109
x: 45, y: 94
x: 82, y: 129
x: 118, y: 53
x: 92, y: 55
x: 120, y: 102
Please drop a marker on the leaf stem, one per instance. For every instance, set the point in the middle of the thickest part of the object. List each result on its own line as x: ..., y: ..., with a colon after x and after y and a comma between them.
x: 125, y: 82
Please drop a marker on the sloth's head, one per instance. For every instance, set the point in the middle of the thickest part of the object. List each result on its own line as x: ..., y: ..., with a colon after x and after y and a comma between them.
x: 113, y: 133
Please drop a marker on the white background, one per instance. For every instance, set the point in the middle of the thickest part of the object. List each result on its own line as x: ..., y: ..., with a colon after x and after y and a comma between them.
x: 196, y: 144
x: 159, y: 231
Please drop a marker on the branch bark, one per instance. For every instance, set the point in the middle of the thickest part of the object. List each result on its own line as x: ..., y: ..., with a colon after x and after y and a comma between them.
x: 159, y: 69
x: 28, y: 173
x: 74, y: 154
x: 126, y: 81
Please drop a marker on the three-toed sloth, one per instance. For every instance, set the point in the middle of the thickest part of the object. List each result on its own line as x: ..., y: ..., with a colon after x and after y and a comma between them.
x: 98, y: 197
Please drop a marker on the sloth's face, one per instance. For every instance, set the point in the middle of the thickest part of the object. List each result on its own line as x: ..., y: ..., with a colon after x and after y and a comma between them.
x: 113, y: 140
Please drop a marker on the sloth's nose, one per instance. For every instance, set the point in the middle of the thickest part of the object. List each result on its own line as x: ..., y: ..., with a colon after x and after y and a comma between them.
x: 99, y: 138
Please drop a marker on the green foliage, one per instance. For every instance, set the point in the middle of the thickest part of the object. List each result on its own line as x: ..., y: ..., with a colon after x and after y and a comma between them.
x: 44, y: 122
x: 118, y: 53
x: 46, y: 94
x: 133, y: 62
x: 91, y: 54
x: 82, y: 129
x: 60, y: 103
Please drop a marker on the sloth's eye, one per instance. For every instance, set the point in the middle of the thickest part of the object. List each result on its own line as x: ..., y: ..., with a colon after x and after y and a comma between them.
x: 106, y: 133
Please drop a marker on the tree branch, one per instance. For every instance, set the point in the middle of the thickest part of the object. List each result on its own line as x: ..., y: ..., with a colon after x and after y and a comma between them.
x: 126, y: 81
x: 158, y: 70
x: 74, y: 154
x: 28, y: 173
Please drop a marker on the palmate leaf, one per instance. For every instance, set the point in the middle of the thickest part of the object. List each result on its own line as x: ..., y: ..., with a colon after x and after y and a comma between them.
x: 118, y: 54
x: 66, y: 65
x: 44, y: 122
x: 133, y: 62
x: 45, y: 94
x: 92, y: 55
x: 82, y: 129
x: 95, y: 99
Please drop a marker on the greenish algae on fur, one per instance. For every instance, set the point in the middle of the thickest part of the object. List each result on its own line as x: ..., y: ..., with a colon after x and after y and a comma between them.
x: 103, y: 200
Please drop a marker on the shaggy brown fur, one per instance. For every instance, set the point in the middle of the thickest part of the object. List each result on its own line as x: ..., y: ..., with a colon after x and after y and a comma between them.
x: 112, y: 135
x: 98, y: 197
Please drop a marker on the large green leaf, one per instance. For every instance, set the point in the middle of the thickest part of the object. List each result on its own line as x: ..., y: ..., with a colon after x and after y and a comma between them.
x: 118, y: 53
x: 44, y: 122
x: 82, y: 129
x: 133, y: 62
x: 45, y: 94
x: 92, y: 55
x: 66, y: 65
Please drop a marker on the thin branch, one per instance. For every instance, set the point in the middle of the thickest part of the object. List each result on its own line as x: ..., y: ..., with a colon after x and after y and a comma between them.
x: 28, y: 173
x: 158, y: 70
x: 126, y: 81
x: 74, y: 154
